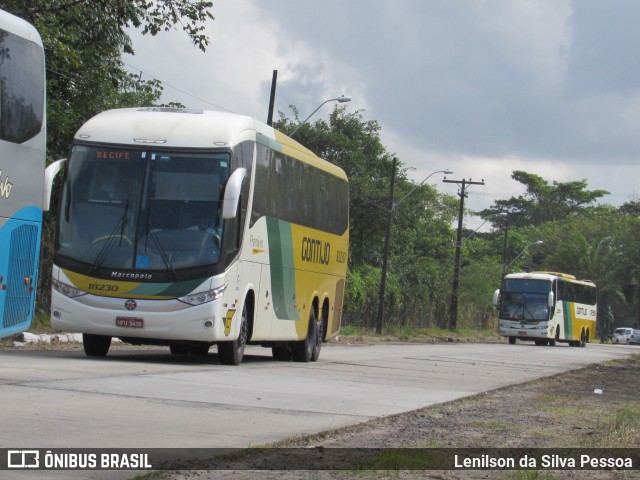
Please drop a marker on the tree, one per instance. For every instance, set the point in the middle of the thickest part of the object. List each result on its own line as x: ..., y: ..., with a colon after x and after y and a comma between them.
x: 599, y: 245
x: 421, y: 240
x: 631, y: 208
x: 542, y: 202
x: 84, y: 41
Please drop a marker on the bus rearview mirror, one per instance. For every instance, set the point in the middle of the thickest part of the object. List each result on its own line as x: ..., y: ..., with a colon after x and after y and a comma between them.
x: 232, y: 193
x: 496, y: 297
x: 49, y: 174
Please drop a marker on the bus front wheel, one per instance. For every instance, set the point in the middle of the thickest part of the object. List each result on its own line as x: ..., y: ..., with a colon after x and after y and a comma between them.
x: 95, y: 345
x: 231, y: 353
x: 512, y: 340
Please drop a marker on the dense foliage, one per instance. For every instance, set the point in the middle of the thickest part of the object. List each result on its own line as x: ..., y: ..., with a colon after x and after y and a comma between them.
x: 553, y: 227
x: 84, y: 41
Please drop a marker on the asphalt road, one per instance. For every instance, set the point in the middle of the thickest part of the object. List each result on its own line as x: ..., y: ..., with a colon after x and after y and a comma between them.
x: 149, y: 398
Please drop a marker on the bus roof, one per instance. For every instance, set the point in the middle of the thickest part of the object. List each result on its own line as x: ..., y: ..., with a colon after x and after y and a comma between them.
x: 16, y: 25
x: 547, y: 276
x: 181, y: 127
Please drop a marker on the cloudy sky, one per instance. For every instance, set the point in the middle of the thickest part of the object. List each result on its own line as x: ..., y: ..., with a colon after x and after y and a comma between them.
x: 482, y: 87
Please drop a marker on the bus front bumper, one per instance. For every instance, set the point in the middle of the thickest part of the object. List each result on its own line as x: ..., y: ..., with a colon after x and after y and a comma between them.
x: 531, y: 331
x: 113, y: 317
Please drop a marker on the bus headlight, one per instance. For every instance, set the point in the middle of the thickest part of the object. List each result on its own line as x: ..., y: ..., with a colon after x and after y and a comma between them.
x: 67, y: 290
x: 203, y: 297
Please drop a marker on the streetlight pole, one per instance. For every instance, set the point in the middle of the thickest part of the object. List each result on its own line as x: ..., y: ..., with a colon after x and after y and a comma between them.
x: 387, y: 238
x: 385, y: 255
x: 453, y: 311
x: 341, y: 99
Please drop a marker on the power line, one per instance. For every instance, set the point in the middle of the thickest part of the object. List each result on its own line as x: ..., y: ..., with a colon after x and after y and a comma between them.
x: 175, y: 87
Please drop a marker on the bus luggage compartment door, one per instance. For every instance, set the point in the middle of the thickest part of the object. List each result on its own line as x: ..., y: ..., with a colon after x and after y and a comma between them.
x: 18, y: 287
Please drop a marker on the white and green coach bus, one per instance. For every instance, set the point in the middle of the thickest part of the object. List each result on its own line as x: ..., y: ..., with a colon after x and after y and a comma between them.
x: 190, y: 228
x: 547, y: 307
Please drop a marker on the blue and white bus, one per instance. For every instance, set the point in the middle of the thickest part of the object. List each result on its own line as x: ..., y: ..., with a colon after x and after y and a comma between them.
x: 22, y: 167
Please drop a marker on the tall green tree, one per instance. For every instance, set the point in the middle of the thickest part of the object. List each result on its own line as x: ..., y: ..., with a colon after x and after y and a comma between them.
x: 84, y: 41
x: 542, y: 202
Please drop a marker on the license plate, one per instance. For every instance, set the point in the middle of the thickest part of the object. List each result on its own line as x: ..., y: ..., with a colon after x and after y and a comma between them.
x: 130, y: 322
x: 523, y: 333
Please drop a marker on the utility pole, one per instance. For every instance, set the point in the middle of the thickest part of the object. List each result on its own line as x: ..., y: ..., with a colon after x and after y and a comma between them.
x: 453, y: 311
x: 504, y: 245
x: 272, y: 98
x: 385, y: 257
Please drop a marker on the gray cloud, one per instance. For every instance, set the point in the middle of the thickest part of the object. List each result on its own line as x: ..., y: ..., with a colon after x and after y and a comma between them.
x: 499, y: 78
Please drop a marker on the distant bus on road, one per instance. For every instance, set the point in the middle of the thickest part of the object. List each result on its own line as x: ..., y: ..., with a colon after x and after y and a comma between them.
x: 547, y: 307
x: 22, y: 162
x: 189, y: 228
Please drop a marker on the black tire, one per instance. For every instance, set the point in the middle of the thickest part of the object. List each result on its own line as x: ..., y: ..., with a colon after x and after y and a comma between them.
x: 319, y: 337
x: 512, y: 340
x: 96, y: 345
x: 302, y: 351
x: 583, y: 339
x: 231, y: 353
x: 281, y: 354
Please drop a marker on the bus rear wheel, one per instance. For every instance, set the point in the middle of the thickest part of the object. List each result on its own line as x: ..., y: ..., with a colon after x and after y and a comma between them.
x: 318, y: 344
x: 95, y: 345
x: 302, y: 351
x: 231, y: 353
x: 583, y: 339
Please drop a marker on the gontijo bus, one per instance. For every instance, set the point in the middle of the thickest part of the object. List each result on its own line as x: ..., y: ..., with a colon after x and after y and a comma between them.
x: 22, y: 162
x: 190, y: 228
x: 547, y: 307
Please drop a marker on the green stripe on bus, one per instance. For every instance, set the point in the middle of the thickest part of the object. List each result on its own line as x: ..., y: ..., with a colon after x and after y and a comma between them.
x: 568, y: 324
x: 281, y: 266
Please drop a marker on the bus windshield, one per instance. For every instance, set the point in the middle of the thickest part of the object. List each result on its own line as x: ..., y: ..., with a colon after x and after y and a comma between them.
x: 525, y: 300
x: 142, y: 210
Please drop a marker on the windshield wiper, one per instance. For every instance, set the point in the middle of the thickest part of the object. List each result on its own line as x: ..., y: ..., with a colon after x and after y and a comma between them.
x: 163, y: 254
x: 111, y: 239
